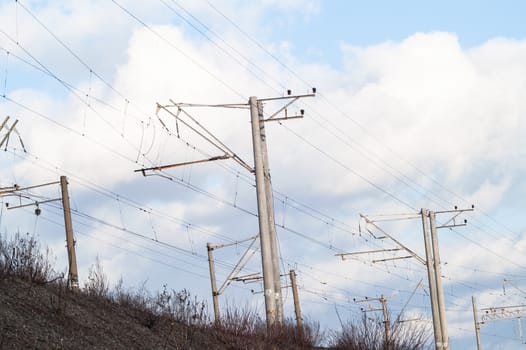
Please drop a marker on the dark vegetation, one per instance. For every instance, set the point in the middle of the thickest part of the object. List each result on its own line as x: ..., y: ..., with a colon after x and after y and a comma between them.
x: 368, y: 333
x: 39, y: 311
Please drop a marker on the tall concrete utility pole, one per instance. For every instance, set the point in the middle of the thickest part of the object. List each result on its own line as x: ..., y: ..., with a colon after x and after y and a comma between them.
x: 272, y: 225
x: 438, y: 277
x: 270, y: 260
x: 432, y: 282
x: 267, y: 227
x: 73, y: 277
x: 450, y: 223
x: 271, y: 280
x: 432, y: 263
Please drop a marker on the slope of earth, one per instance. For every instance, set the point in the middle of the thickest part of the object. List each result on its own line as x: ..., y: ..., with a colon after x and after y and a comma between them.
x: 36, y: 316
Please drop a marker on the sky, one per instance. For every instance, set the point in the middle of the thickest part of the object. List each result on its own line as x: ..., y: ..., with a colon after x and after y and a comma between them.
x: 417, y: 106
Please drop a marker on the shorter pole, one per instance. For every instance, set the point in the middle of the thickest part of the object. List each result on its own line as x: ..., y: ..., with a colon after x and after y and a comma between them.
x: 213, y: 283
x: 73, y: 276
x: 383, y: 300
x: 295, y: 295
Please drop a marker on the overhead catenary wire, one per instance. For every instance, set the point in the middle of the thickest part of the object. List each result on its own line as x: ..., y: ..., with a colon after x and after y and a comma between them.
x: 69, y: 49
x: 68, y: 87
x: 343, y: 113
x: 82, y: 134
x: 135, y: 234
x: 153, y: 259
x: 79, y: 92
x: 180, y: 51
x: 108, y: 148
x: 295, y: 262
x: 374, y: 185
x: 223, y: 15
x: 110, y: 225
x: 214, y: 76
x: 52, y: 75
x: 6, y: 72
x: 244, y: 60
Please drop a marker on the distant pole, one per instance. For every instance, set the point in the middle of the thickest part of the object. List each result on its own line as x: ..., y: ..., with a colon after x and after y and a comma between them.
x: 295, y: 296
x: 387, y: 345
x: 213, y: 284
x: 432, y: 282
x: 438, y: 277
x: 73, y: 276
x: 477, y: 323
x: 269, y: 279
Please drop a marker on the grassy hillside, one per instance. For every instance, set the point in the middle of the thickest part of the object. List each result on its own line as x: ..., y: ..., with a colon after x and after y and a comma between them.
x: 39, y: 311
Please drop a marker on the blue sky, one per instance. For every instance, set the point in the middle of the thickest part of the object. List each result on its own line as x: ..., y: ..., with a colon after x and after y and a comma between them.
x: 364, y: 23
x: 418, y: 106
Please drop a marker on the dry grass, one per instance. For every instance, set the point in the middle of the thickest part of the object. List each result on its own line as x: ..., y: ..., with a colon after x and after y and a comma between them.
x: 40, y: 311
x: 369, y: 334
x: 21, y: 256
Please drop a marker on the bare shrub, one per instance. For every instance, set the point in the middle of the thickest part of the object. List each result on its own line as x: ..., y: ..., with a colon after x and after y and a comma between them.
x: 411, y: 335
x: 240, y: 322
x: 138, y: 302
x: 21, y: 256
x: 97, y: 283
x: 58, y: 300
x: 240, y: 328
x: 289, y: 336
x: 369, y: 334
x: 243, y: 328
x: 182, y: 307
x: 309, y: 335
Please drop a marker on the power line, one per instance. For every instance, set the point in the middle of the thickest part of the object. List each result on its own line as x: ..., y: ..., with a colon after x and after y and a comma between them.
x: 135, y: 234
x: 71, y: 90
x: 181, y: 52
x: 246, y: 59
x: 347, y: 168
x: 75, y: 55
x: 150, y: 238
x: 78, y: 56
x: 343, y: 113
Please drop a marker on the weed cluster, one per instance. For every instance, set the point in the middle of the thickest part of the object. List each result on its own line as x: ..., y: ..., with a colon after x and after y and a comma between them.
x: 21, y: 256
x: 369, y: 334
